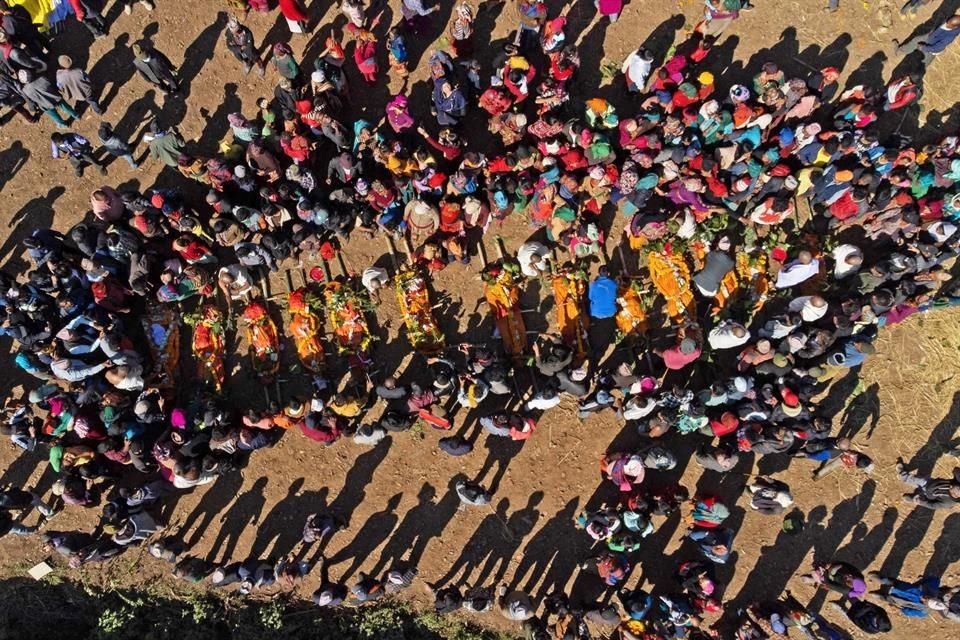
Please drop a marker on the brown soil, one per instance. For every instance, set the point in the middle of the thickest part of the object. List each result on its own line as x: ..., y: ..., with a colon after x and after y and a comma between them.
x: 398, y: 493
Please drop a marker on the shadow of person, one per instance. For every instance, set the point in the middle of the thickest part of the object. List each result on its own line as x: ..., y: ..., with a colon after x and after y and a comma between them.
x: 195, y: 56
x: 869, y: 73
x: 518, y: 526
x: 245, y: 511
x: 36, y: 214
x: 214, y: 500
x: 783, y: 53
x: 939, y: 121
x: 777, y: 562
x: 836, y: 54
x: 433, y: 26
x: 500, y: 451
x: 843, y: 519
x: 356, y: 481
x: 283, y: 526
x: 913, y: 529
x: 140, y: 112
x: 946, y: 551
x: 864, y: 409
x: 18, y: 472
x: 115, y: 67
x: 478, y: 547
x: 861, y: 550
x: 12, y: 159
x: 371, y: 535
x: 551, y: 555
x: 150, y: 31
x: 216, y: 125
x: 424, y: 522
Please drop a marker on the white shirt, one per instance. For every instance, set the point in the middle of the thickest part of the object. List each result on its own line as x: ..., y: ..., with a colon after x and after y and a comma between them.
x: 636, y: 408
x: 722, y: 336
x: 796, y: 272
x: 373, y: 278
x: 540, y: 403
x: 637, y: 69
x: 241, y: 280
x: 808, y: 311
x: 840, y: 254
x: 527, y: 252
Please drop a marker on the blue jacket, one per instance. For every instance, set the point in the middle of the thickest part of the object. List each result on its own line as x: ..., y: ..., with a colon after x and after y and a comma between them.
x: 603, y: 297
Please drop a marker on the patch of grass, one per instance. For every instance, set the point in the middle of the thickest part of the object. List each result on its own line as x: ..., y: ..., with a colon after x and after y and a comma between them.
x: 44, y: 609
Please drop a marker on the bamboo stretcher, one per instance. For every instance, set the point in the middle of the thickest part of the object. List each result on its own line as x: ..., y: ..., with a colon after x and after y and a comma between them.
x: 416, y: 308
x: 208, y: 347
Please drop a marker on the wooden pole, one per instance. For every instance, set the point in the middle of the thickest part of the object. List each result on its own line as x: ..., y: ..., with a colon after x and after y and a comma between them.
x: 482, y: 254
x: 408, y: 247
x: 392, y: 249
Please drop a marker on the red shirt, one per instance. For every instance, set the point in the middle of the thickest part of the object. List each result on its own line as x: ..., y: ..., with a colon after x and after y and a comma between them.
x: 675, y: 359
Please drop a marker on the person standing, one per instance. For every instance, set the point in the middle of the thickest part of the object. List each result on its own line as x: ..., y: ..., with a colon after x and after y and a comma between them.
x: 40, y: 92
x: 128, y: 5
x: 115, y: 145
x: 285, y: 64
x: 609, y: 8
x: 76, y: 149
x: 75, y: 85
x: 449, y: 103
x: 636, y: 69
x: 933, y: 43
x: 89, y: 17
x: 415, y: 14
x: 14, y: 56
x: 533, y: 13
x: 295, y: 15
x: 155, y: 68
x: 718, y: 16
x: 166, y: 145
x: 603, y: 296
x: 17, y: 23
x: 240, y: 42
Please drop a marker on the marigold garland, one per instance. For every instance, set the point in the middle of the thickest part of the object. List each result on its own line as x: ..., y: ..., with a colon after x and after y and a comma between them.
x: 345, y: 308
x: 502, y: 293
x: 671, y: 276
x: 569, y: 293
x: 413, y: 297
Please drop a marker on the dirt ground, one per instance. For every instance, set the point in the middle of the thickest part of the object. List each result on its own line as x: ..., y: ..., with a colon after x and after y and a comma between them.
x: 398, y: 496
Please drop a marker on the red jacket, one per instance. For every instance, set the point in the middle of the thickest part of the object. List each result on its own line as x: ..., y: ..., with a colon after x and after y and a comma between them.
x: 291, y: 10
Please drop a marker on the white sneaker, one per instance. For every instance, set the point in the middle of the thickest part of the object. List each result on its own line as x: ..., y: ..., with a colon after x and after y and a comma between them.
x: 147, y: 5
x: 127, y: 9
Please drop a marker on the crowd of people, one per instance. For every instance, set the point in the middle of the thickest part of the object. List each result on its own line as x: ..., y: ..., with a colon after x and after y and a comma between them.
x: 773, y: 228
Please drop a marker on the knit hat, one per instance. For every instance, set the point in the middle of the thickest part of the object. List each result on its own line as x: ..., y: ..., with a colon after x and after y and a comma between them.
x: 705, y: 78
x: 65, y: 62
